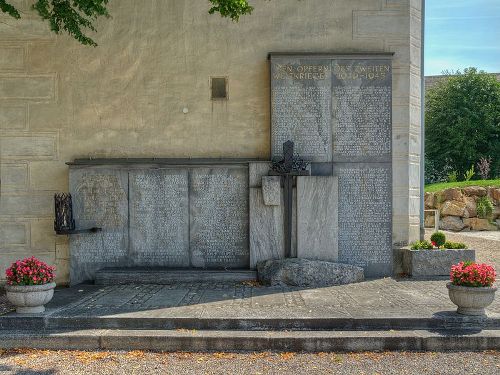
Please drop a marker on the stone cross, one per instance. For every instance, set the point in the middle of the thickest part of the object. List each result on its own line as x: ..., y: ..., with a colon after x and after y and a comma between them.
x: 288, y: 168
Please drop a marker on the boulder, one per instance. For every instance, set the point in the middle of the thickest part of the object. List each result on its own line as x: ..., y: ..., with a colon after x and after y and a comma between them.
x: 429, y: 200
x: 496, y: 212
x: 476, y: 223
x: 452, y: 194
x: 470, y: 206
x: 307, y: 273
x: 498, y: 224
x: 475, y: 191
x: 453, y: 208
x: 452, y: 223
x: 494, y: 193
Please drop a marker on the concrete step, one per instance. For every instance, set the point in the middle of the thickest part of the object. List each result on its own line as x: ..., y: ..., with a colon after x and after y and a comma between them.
x: 148, y: 321
x: 307, y: 341
x: 162, y: 276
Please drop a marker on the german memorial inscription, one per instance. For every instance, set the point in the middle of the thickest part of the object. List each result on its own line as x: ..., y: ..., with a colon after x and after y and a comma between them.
x: 176, y: 217
x: 159, y: 218
x: 338, y: 108
x: 219, y: 218
x: 301, y: 106
x: 100, y: 200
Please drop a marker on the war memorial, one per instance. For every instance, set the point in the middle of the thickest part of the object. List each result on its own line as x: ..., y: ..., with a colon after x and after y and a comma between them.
x: 285, y: 147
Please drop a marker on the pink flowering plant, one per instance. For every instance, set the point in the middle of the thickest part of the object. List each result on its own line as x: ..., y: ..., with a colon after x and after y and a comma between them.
x: 472, y: 274
x: 29, y: 271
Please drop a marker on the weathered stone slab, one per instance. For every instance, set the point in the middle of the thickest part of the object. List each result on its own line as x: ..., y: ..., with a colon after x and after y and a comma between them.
x: 301, y: 106
x: 421, y: 263
x: 257, y: 170
x: 219, y: 217
x: 266, y: 229
x: 159, y: 218
x: 271, y: 190
x: 307, y: 273
x: 362, y: 110
x: 365, y: 216
x: 100, y: 199
x: 317, y: 218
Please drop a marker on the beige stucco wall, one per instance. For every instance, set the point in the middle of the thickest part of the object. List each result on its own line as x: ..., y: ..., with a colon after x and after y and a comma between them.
x: 60, y: 100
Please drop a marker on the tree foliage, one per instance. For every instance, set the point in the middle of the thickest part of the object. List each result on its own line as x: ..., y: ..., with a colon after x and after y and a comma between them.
x: 462, y: 123
x: 76, y: 17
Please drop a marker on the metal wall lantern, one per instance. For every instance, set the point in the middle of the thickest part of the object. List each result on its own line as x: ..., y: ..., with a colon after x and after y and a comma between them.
x: 63, y: 221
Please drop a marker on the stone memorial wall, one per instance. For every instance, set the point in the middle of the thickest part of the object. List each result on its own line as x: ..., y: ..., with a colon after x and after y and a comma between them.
x: 176, y: 217
x: 352, y: 116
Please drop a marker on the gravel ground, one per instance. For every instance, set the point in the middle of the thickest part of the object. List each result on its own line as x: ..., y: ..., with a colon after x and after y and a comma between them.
x: 138, y: 362
x: 486, y: 244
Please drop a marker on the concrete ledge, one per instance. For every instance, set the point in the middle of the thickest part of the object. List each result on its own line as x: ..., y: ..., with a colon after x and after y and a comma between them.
x: 444, y: 320
x: 306, y: 341
x: 136, y: 275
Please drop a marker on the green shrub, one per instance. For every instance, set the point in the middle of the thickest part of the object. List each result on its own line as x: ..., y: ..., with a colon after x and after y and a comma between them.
x: 484, y: 208
x: 453, y: 176
x: 454, y: 245
x: 438, y: 238
x: 417, y: 245
x: 469, y: 173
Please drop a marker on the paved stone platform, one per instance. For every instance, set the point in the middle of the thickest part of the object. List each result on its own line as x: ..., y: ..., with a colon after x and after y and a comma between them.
x: 192, y: 305
x: 384, y: 314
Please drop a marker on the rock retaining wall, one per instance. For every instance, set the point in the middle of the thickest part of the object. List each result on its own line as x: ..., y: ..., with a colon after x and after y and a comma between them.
x: 457, y: 208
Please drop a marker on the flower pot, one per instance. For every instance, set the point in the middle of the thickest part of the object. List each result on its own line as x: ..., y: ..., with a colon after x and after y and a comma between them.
x: 471, y: 300
x: 29, y: 299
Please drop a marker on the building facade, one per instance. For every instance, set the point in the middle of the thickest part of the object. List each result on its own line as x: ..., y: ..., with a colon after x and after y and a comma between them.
x: 146, y: 92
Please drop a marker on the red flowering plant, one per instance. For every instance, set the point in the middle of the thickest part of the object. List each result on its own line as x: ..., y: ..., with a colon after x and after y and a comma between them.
x: 29, y: 271
x: 472, y: 274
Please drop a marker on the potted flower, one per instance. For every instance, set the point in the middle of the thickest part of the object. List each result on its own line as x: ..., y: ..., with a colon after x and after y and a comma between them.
x: 30, y: 285
x: 471, y: 287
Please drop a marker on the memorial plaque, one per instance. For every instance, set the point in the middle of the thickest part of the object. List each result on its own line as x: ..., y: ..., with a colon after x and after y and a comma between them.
x: 361, y: 110
x: 347, y: 103
x: 301, y: 106
x: 159, y: 218
x: 365, y: 216
x: 219, y: 217
x: 100, y: 199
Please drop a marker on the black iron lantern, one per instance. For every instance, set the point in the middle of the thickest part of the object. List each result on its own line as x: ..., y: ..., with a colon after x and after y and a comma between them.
x: 63, y: 206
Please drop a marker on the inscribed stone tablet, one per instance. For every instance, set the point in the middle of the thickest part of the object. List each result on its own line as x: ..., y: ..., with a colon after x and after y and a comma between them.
x: 100, y: 199
x: 159, y: 218
x: 219, y: 217
x: 301, y: 106
x: 365, y: 216
x: 362, y: 107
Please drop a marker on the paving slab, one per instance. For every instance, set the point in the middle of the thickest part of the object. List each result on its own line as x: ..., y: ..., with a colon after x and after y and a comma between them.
x: 374, y: 304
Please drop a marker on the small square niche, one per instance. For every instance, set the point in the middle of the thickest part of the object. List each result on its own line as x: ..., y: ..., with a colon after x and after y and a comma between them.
x: 218, y: 88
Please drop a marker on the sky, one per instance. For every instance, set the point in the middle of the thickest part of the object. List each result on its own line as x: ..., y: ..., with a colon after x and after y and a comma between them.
x: 461, y: 34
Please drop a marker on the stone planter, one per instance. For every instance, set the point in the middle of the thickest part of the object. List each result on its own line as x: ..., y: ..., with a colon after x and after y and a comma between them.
x: 471, y: 301
x: 30, y: 299
x: 425, y: 263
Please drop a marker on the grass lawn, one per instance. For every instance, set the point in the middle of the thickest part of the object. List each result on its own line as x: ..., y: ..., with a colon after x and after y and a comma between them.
x: 446, y: 185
